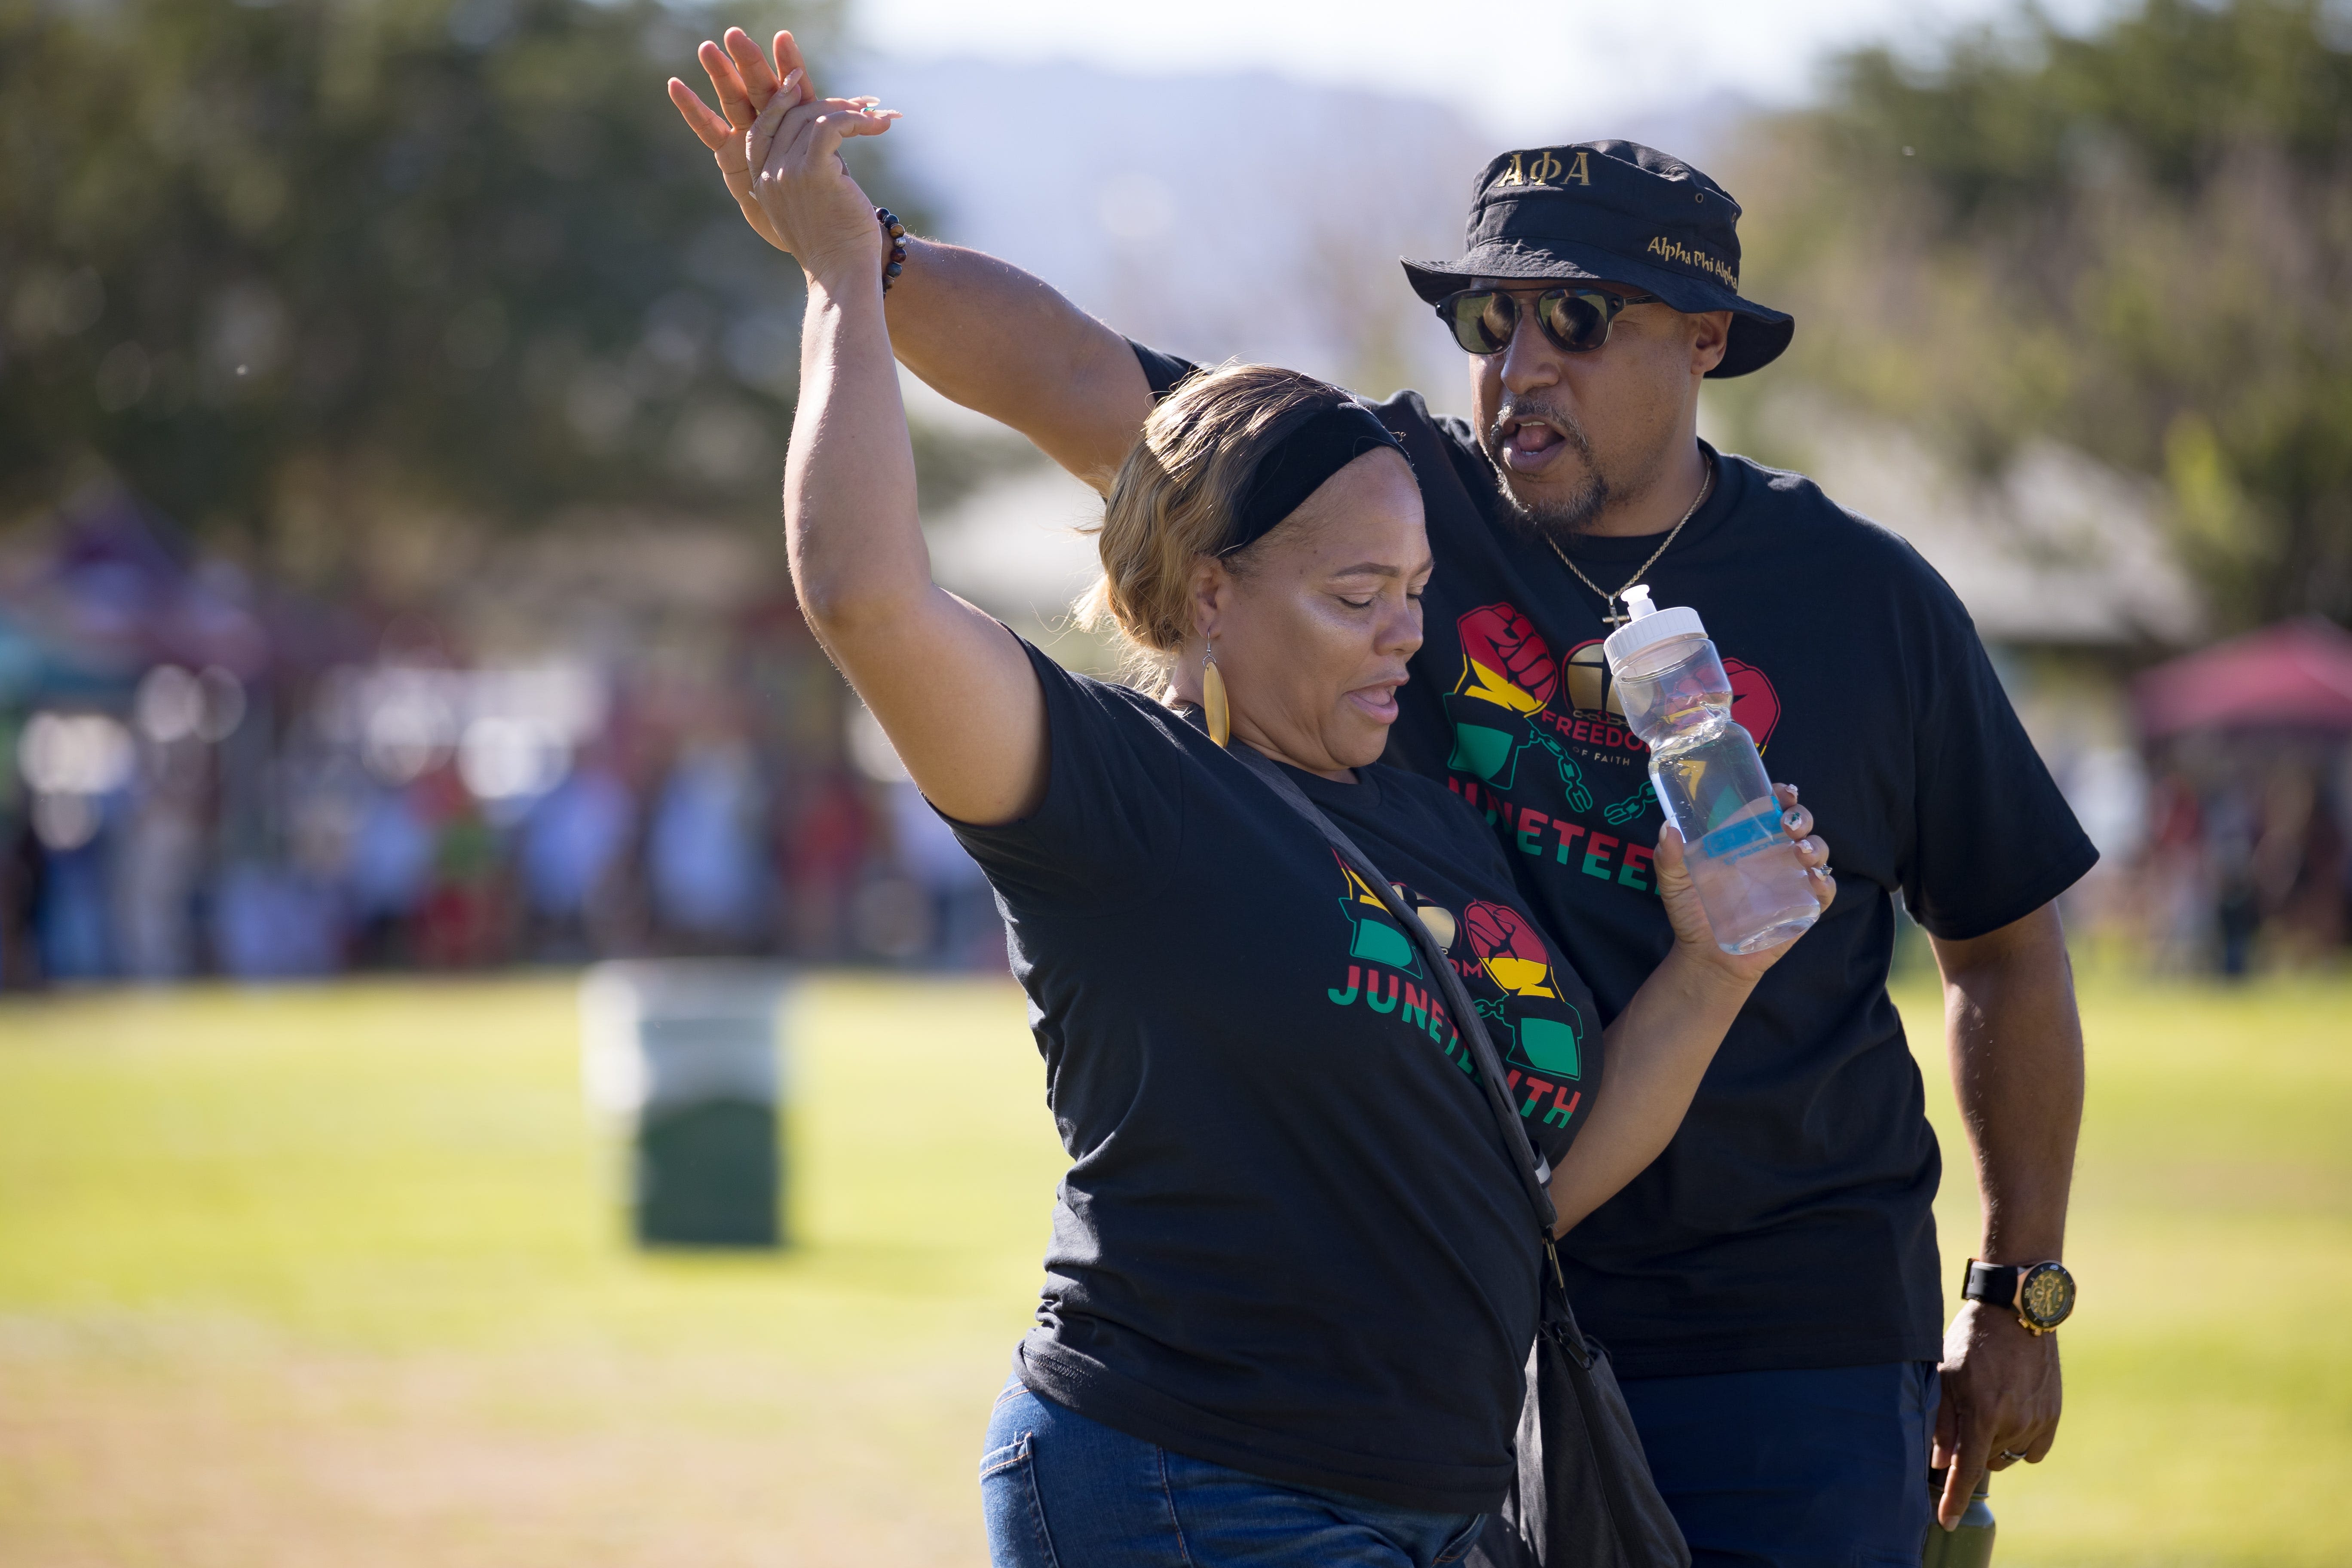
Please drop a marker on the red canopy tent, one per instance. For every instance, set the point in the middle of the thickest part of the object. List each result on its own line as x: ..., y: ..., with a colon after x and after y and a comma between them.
x: 2293, y: 676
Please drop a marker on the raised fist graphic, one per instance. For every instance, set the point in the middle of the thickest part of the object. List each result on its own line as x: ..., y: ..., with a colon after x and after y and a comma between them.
x: 1507, y: 945
x: 1506, y: 659
x: 1755, y: 706
x: 1498, y: 928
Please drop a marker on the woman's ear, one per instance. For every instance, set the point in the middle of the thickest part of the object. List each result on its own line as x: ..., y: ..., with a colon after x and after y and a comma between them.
x: 1209, y: 589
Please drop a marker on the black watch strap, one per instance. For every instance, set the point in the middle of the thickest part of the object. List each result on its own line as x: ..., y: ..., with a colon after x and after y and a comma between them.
x: 1993, y: 1282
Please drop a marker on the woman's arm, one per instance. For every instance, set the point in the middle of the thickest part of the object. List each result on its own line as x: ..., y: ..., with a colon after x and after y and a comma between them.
x: 1652, y: 1059
x: 1658, y: 1049
x: 953, y: 689
x: 981, y: 330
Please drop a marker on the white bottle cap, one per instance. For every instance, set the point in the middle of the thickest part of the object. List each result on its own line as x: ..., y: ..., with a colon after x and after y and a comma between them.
x: 1650, y: 625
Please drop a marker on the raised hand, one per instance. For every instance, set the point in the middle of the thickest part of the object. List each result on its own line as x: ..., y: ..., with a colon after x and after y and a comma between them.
x: 803, y: 188
x: 746, y: 83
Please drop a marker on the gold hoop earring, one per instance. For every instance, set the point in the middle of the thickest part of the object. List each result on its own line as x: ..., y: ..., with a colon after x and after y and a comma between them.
x: 1213, y: 699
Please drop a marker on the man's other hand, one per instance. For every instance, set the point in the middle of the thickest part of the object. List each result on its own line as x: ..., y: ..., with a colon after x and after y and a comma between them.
x: 744, y: 80
x: 2001, y: 1397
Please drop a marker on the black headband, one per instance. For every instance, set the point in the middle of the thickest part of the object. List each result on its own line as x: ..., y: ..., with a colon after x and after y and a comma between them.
x: 1295, y: 466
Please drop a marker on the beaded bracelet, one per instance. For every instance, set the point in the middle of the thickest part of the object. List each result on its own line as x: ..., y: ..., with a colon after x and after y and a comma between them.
x: 897, y: 234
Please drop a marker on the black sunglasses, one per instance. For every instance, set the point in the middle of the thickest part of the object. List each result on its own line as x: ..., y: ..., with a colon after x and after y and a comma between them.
x: 1575, y: 319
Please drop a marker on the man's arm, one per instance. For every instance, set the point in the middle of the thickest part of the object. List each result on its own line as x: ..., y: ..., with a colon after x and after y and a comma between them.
x: 2016, y: 1046
x: 988, y: 335
x: 981, y: 332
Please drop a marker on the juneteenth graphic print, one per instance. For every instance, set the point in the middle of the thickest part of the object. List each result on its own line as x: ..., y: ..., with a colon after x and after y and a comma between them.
x: 1539, y: 739
x: 1540, y: 1029
x: 1538, y: 1034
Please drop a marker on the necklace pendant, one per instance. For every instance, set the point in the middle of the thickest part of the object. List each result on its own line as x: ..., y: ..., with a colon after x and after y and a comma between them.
x: 1614, y: 620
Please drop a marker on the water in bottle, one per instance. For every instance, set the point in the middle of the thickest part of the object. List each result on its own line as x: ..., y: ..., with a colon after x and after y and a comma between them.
x: 1710, y: 780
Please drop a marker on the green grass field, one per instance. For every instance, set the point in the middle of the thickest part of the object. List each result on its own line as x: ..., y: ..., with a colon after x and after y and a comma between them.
x: 338, y: 1275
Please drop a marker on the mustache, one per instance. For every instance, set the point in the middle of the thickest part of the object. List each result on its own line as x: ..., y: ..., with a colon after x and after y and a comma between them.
x: 1522, y: 410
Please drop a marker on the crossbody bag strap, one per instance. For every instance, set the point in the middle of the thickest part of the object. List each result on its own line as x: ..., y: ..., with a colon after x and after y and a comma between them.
x: 1534, y: 1170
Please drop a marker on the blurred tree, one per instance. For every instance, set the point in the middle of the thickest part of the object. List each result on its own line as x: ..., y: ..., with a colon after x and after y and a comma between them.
x: 2136, y: 240
x: 268, y: 261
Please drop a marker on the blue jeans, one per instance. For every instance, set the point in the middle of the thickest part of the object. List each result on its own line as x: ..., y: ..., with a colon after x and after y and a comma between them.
x: 1062, y: 1491
x: 1793, y: 1469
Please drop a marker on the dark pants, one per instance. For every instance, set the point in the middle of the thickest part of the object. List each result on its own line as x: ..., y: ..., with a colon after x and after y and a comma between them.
x: 1793, y: 1469
x: 1061, y: 1492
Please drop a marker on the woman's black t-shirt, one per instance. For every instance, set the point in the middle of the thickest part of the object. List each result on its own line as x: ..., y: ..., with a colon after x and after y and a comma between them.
x: 1291, y: 1240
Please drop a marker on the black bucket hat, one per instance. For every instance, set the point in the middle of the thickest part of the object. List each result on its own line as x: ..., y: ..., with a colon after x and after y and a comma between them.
x: 1614, y: 212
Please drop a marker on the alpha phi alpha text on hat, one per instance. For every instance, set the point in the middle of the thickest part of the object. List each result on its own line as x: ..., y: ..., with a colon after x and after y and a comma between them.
x: 1614, y: 212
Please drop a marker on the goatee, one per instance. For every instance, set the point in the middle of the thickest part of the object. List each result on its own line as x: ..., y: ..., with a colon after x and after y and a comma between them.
x: 1560, y: 518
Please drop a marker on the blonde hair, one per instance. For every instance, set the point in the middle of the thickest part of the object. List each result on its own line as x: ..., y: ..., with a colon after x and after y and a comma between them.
x: 1174, y: 500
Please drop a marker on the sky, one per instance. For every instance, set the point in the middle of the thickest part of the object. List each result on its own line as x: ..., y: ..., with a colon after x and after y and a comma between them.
x: 1514, y: 71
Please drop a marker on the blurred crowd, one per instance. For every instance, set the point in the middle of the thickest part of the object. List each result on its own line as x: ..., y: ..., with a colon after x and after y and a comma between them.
x: 209, y: 779
x: 2251, y: 870
x: 2243, y: 840
x: 208, y: 775
x: 213, y: 775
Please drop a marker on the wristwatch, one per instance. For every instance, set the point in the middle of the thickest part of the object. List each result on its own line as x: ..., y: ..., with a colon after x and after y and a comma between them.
x: 2040, y: 1294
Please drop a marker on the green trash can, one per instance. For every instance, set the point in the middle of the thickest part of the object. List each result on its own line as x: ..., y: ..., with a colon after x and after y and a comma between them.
x: 685, y: 1055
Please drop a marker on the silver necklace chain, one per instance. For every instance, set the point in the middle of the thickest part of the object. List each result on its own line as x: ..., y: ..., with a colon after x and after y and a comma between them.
x: 1609, y: 600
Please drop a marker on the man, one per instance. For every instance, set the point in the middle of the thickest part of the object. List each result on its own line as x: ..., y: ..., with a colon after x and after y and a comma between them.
x: 1770, y: 1287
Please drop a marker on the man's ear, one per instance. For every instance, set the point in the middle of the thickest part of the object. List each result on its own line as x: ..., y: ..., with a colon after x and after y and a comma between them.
x: 1710, y: 337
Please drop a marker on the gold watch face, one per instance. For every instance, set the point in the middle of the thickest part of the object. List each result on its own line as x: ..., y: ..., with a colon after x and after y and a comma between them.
x: 2048, y: 1296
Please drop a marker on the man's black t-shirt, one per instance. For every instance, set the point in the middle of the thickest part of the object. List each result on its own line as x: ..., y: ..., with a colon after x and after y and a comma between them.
x: 1291, y: 1240
x: 1788, y: 1224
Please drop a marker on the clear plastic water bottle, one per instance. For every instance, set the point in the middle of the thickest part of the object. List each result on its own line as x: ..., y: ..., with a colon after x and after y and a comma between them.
x: 1710, y: 780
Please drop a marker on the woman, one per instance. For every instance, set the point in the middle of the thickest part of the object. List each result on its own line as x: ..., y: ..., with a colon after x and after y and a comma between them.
x: 1291, y: 1289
